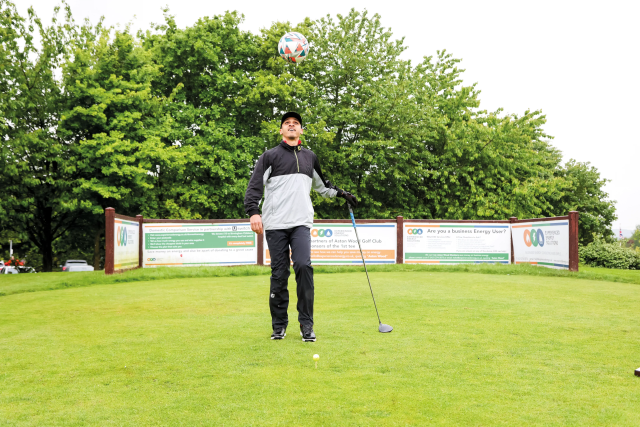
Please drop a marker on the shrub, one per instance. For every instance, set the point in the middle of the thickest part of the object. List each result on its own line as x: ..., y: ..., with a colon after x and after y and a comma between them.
x: 610, y: 255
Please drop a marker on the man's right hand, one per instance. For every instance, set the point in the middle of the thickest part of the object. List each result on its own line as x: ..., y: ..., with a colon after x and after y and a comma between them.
x: 256, y: 223
x: 350, y: 198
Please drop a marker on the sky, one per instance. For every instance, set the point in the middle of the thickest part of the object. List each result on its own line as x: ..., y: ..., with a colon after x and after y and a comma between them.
x: 576, y: 61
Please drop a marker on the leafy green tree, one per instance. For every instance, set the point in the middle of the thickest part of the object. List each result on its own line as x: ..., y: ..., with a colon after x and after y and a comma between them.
x: 216, y: 115
x: 583, y: 191
x: 635, y: 238
x: 35, y: 166
x: 81, y: 129
x: 410, y: 139
x: 117, y: 125
x: 171, y: 122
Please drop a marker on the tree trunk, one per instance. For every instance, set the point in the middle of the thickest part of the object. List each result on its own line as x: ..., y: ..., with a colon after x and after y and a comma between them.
x: 96, y: 250
x: 47, y: 239
x: 47, y: 257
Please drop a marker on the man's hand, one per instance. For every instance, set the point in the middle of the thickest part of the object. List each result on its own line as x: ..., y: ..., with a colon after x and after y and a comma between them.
x: 350, y: 198
x: 256, y: 224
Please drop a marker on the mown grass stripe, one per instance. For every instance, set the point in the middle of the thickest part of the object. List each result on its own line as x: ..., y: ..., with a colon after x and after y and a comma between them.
x: 20, y: 283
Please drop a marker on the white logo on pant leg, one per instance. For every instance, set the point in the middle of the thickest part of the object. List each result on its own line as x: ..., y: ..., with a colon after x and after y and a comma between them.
x: 273, y: 295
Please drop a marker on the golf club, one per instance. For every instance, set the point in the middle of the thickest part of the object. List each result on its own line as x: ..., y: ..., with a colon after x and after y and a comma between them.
x: 381, y: 326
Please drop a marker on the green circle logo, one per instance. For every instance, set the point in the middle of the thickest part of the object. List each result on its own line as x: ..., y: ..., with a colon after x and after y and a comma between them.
x: 534, y: 237
x: 122, y: 240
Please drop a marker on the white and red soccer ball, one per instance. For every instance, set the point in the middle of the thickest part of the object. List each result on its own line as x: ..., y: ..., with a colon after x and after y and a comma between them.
x: 293, y: 47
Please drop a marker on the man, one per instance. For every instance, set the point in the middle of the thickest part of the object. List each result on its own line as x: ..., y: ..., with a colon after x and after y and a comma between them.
x: 288, y: 172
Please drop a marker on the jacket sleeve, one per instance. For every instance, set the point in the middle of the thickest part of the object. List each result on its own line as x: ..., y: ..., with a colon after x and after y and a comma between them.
x: 320, y: 184
x: 253, y: 196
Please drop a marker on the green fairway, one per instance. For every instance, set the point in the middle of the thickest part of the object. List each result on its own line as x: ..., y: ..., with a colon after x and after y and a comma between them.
x: 20, y: 283
x: 467, y: 349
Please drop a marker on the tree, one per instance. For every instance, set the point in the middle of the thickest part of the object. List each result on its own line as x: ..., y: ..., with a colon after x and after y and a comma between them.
x: 169, y: 123
x: 117, y: 127
x: 635, y: 238
x: 410, y: 139
x: 35, y: 168
x: 583, y: 192
x: 216, y: 115
x: 81, y: 129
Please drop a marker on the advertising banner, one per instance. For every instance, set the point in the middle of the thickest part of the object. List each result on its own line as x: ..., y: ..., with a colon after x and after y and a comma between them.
x: 544, y: 243
x: 125, y: 246
x: 456, y: 243
x: 191, y: 245
x: 336, y: 244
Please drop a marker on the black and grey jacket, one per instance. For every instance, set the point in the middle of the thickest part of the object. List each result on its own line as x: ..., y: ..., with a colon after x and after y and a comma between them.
x: 287, y: 174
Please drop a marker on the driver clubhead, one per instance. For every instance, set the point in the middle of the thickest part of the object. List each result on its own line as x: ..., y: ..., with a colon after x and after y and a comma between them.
x: 385, y: 328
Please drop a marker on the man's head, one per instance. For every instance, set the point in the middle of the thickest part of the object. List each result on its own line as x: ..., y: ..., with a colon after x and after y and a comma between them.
x: 291, y: 127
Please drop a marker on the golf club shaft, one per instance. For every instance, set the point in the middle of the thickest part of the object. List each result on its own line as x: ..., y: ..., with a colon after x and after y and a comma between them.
x: 353, y: 220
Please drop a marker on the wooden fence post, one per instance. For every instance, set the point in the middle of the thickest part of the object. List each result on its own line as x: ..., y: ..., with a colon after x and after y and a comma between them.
x: 512, y: 220
x: 400, y: 240
x: 109, y: 217
x: 574, y: 256
x: 260, y: 239
x: 140, y: 239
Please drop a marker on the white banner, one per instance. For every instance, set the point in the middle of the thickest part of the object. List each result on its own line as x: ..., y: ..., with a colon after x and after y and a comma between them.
x: 335, y: 244
x: 456, y: 243
x: 125, y: 246
x: 544, y: 243
x: 192, y: 245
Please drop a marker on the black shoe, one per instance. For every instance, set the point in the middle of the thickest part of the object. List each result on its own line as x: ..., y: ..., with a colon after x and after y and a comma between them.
x: 307, y: 333
x: 278, y: 333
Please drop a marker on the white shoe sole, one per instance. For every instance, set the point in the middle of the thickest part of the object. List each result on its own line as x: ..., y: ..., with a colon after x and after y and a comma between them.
x: 274, y: 338
x: 313, y: 340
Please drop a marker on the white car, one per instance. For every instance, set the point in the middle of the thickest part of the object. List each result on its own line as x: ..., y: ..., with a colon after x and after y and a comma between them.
x: 7, y: 269
x: 76, y: 265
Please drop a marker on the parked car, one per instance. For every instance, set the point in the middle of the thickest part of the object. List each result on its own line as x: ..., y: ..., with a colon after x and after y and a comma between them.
x: 76, y: 265
x: 10, y: 269
x: 7, y: 269
x: 1, y: 264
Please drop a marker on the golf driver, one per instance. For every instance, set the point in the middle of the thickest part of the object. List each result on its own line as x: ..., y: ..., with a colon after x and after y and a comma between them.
x: 381, y: 326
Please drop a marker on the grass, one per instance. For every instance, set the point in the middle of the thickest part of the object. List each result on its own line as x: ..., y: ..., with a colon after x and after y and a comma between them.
x: 632, y: 275
x: 467, y: 349
x: 19, y: 283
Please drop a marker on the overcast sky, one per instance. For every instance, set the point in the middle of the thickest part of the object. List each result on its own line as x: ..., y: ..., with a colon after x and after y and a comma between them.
x: 577, y: 61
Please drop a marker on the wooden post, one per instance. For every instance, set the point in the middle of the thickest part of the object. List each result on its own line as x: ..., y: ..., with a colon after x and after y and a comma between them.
x: 400, y: 240
x: 512, y: 220
x: 574, y: 256
x: 109, y: 217
x: 140, y: 239
x: 260, y: 239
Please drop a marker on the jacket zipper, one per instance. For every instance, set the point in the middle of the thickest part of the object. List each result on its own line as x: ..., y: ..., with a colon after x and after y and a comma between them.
x: 294, y: 153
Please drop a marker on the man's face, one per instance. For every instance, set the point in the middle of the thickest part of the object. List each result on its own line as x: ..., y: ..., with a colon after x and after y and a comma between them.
x: 291, y: 129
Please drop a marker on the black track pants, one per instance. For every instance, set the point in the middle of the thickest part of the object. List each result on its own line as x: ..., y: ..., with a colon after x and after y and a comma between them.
x: 278, y: 241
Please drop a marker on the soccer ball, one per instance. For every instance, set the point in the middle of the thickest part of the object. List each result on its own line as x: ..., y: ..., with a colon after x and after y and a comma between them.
x: 293, y: 47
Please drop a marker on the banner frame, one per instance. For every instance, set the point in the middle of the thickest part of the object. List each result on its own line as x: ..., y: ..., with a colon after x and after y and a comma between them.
x: 506, y: 222
x: 573, y: 217
x: 259, y: 242
x: 111, y: 216
x: 109, y: 250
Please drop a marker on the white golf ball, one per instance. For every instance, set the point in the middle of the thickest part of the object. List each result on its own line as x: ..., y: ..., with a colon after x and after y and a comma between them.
x: 316, y: 357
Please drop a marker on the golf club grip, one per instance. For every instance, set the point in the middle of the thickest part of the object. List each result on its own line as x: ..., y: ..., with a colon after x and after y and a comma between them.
x: 353, y: 220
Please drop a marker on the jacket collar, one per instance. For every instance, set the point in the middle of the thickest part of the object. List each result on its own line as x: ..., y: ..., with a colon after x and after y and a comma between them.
x: 284, y: 144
